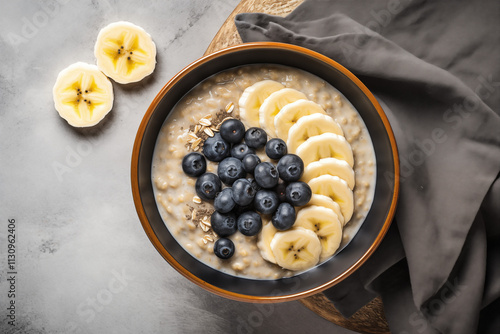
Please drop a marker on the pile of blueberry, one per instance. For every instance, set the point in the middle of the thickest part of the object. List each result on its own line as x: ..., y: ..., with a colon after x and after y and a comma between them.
x: 253, y: 186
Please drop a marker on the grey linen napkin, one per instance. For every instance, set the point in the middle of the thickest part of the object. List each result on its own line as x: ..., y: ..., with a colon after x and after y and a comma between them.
x: 434, y: 68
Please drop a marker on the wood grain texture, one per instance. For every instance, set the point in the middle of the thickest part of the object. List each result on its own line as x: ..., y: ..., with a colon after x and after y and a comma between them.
x: 370, y: 319
x: 228, y: 35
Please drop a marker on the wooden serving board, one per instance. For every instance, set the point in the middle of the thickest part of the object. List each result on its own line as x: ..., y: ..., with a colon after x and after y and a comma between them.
x: 371, y: 318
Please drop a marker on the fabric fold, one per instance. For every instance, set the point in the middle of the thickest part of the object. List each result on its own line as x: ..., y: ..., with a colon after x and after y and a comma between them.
x: 449, y: 145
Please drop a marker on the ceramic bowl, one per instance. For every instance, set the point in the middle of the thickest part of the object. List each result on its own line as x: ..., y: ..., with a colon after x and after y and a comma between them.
x: 319, y: 278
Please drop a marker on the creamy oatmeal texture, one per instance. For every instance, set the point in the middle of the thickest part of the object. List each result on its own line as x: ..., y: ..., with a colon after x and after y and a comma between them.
x: 188, y: 218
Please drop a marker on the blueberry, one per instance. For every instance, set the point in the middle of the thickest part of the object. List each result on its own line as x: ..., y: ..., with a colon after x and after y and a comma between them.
x: 255, y: 137
x: 280, y: 190
x: 266, y: 175
x: 249, y: 223
x: 276, y: 148
x: 194, y: 164
x: 224, y: 224
x: 230, y: 170
x: 224, y: 201
x: 238, y: 210
x: 215, y: 148
x: 207, y: 186
x: 290, y: 167
x: 224, y: 248
x: 241, y: 150
x: 298, y: 193
x: 249, y: 162
x: 254, y: 184
x: 243, y: 192
x: 232, y: 131
x: 284, y: 218
x: 266, y: 201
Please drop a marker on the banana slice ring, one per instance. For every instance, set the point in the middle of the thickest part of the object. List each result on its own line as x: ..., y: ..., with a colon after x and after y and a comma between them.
x: 83, y: 96
x: 125, y: 52
x: 309, y: 126
x: 326, y: 145
x: 327, y: 202
x: 296, y: 249
x: 291, y: 113
x: 265, y: 237
x: 330, y: 166
x: 273, y: 104
x: 253, y: 97
x: 338, y: 190
x: 326, y: 224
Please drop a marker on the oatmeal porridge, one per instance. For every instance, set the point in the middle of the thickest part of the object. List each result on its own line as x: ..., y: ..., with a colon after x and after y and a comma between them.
x: 341, y: 177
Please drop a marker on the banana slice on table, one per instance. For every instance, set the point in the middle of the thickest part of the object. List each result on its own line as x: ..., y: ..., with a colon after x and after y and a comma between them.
x: 82, y: 95
x: 265, y: 237
x: 273, y: 104
x: 125, y: 52
x: 327, y: 202
x: 326, y: 224
x: 338, y: 190
x: 253, y: 97
x: 326, y: 145
x: 291, y: 113
x: 309, y: 126
x: 330, y: 166
x: 296, y: 249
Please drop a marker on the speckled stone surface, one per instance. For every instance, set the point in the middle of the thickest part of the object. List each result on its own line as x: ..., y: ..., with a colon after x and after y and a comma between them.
x: 83, y: 263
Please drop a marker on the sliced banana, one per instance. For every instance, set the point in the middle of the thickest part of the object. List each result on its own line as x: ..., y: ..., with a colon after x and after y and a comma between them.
x: 125, y: 52
x: 327, y: 202
x: 253, y: 97
x: 296, y: 249
x: 291, y: 113
x: 273, y: 104
x: 326, y: 145
x: 330, y: 166
x: 338, y: 190
x: 327, y: 226
x: 265, y: 237
x: 308, y: 126
x: 82, y: 95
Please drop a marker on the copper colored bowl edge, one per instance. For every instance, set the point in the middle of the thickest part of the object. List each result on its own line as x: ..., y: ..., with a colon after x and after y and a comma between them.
x: 217, y: 290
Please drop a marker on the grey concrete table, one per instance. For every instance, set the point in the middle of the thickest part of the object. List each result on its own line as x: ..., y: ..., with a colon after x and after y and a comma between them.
x: 82, y: 262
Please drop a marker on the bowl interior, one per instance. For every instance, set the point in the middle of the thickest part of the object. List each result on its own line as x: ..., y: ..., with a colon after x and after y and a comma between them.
x: 320, y: 277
